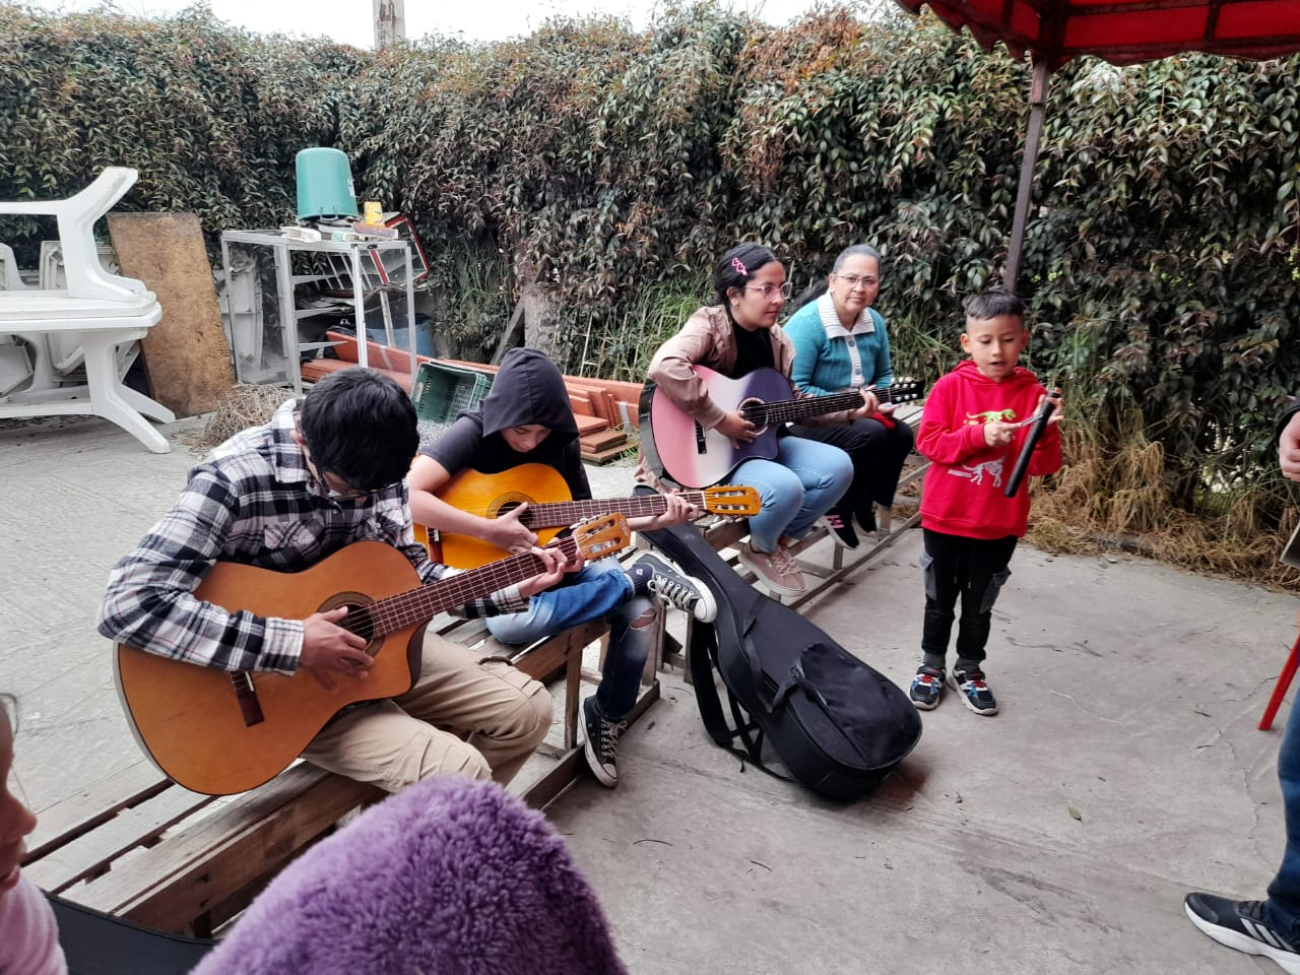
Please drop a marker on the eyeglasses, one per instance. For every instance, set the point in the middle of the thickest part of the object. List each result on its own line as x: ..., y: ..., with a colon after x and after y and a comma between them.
x: 327, y: 483
x: 853, y: 280
x: 769, y: 290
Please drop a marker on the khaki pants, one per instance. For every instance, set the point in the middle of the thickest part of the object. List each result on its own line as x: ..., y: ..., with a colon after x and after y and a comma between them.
x: 502, y: 713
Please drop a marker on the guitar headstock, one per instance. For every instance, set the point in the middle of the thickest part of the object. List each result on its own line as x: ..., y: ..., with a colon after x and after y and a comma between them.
x: 732, y: 501
x: 602, y: 536
x: 903, y: 391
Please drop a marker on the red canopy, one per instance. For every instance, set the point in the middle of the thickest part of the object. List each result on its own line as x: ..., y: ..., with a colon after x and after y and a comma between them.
x: 1125, y: 31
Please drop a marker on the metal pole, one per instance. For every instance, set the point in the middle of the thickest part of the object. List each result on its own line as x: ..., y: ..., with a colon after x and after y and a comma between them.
x: 390, y: 23
x: 1037, y: 108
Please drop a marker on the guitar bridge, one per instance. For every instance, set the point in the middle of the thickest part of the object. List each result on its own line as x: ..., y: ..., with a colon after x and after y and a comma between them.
x: 700, y: 446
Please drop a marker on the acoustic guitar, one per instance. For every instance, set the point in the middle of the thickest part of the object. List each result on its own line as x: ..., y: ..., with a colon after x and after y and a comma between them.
x: 218, y: 732
x: 550, y: 508
x: 679, y: 447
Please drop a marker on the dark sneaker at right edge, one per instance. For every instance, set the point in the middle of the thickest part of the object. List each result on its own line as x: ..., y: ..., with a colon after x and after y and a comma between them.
x: 1242, y: 925
x: 840, y: 528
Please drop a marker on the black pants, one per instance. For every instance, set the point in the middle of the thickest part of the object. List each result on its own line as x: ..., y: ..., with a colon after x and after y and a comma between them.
x: 877, y: 453
x: 975, y: 569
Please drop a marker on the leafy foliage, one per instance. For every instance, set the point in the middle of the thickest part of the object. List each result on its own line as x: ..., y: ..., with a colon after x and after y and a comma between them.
x: 606, y: 169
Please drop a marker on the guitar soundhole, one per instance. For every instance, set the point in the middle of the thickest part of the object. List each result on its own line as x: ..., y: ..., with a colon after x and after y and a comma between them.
x: 358, y: 620
x: 506, y: 503
x: 757, y: 406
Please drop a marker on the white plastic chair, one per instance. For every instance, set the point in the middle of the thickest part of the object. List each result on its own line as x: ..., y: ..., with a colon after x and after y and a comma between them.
x: 106, y: 310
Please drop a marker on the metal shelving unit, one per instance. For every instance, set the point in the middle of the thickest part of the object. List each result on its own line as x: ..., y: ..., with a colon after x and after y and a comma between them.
x: 262, y: 307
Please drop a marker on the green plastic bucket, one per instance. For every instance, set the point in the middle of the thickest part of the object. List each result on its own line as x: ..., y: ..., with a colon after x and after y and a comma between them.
x: 325, y: 185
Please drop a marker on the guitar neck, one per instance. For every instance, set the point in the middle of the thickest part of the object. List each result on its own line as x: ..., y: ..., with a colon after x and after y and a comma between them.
x: 557, y: 514
x: 394, y: 613
x: 794, y: 410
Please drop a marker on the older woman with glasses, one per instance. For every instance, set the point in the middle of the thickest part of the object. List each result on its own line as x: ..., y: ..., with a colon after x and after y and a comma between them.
x: 735, y: 334
x: 841, y: 343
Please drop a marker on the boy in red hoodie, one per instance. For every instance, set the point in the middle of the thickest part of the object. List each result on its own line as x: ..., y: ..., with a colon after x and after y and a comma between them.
x: 971, y: 431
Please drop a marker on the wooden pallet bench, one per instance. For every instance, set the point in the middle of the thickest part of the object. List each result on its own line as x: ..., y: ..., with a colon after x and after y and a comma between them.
x: 137, y: 845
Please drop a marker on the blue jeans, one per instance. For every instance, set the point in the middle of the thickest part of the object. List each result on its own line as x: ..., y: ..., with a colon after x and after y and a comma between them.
x: 1283, y: 905
x: 797, y: 488
x: 600, y: 589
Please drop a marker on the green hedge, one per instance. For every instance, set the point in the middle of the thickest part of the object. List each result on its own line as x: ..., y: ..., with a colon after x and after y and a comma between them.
x: 612, y: 166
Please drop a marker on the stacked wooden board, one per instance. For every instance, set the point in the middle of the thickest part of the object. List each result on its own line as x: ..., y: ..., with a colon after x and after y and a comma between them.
x: 605, y: 410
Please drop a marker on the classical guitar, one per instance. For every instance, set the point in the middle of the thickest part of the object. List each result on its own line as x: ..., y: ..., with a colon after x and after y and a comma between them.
x: 219, y: 732
x: 550, y: 508
x: 677, y: 446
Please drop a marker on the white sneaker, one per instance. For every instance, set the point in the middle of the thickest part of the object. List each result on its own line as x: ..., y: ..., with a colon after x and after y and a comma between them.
x: 776, y: 570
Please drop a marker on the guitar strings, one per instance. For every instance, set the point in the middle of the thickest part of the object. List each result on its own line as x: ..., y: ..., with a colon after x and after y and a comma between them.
x: 393, y: 613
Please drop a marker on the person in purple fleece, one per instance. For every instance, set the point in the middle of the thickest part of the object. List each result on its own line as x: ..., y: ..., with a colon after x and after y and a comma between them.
x: 29, y: 937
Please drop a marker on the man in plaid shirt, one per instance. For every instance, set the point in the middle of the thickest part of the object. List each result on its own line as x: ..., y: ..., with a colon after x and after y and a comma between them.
x: 326, y: 471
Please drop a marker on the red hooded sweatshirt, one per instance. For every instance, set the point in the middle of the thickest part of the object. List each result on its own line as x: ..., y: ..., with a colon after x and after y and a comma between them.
x: 963, y: 492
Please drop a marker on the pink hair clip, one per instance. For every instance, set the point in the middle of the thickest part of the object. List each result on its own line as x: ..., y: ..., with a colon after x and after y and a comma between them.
x: 740, y: 267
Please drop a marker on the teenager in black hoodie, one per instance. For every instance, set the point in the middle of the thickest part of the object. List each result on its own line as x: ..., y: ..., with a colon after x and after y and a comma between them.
x: 527, y: 419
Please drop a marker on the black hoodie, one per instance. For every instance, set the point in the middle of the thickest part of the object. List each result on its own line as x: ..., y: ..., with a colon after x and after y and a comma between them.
x: 528, y: 389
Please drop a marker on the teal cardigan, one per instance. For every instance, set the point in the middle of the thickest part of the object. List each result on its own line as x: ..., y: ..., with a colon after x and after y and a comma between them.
x: 821, y: 362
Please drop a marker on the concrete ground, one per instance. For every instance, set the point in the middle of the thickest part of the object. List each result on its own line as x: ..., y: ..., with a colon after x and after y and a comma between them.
x: 1058, y: 837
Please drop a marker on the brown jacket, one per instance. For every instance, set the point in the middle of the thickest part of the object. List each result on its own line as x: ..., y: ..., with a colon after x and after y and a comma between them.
x: 707, y: 340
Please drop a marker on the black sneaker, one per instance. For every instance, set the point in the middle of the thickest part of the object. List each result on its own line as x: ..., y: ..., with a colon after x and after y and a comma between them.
x: 975, y: 693
x: 601, y: 744
x: 840, y: 527
x: 1242, y: 925
x: 684, y: 592
x: 927, y: 688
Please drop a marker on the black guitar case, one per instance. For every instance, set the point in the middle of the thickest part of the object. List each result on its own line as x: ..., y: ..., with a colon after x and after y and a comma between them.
x: 837, y: 725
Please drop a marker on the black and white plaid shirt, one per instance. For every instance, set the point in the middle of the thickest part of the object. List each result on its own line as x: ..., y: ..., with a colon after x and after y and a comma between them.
x: 252, y: 501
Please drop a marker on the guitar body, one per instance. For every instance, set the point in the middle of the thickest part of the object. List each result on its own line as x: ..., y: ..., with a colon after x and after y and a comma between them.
x: 491, y: 496
x: 696, y: 458
x: 189, y: 720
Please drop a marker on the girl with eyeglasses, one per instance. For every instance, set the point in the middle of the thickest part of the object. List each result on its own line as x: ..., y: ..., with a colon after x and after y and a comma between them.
x: 735, y: 334
x: 841, y: 342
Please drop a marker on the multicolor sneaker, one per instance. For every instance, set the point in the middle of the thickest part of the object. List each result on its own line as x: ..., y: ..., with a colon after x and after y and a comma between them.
x: 1242, y: 925
x: 927, y: 688
x: 840, y: 527
x: 975, y: 693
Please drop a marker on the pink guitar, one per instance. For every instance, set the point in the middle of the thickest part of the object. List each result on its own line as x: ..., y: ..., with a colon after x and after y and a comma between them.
x: 675, y: 445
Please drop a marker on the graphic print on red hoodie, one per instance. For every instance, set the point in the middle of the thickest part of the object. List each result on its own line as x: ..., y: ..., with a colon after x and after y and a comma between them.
x: 963, y: 491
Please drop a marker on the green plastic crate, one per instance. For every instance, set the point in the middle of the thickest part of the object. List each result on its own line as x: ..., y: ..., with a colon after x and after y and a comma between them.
x: 441, y: 392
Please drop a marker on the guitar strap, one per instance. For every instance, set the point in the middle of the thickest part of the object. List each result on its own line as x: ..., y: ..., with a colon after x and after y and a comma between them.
x: 703, y: 652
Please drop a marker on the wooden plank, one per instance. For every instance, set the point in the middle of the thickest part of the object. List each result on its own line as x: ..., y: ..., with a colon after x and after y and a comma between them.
x: 316, y: 369
x: 602, y: 456
x: 186, y: 356
x: 602, y: 440
x: 589, y: 424
x: 97, y: 803
x: 179, y: 880
x: 131, y: 829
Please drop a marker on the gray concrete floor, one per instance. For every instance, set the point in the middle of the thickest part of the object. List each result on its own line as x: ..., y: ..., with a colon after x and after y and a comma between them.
x: 1058, y: 837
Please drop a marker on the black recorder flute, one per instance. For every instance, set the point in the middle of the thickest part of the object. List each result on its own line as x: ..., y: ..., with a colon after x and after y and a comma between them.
x: 1031, y: 441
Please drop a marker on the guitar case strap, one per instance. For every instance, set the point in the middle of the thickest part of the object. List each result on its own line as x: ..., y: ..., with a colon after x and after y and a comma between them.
x: 704, y: 669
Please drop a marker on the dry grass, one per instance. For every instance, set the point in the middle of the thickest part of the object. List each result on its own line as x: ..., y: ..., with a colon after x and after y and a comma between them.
x: 245, y: 405
x: 1106, y: 501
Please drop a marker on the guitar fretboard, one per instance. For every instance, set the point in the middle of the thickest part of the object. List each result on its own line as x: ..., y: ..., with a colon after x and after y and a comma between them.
x: 416, y: 606
x: 794, y: 410
x: 557, y: 514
